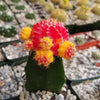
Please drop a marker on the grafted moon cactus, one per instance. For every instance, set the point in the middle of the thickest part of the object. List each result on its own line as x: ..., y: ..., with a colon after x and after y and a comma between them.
x: 47, y: 42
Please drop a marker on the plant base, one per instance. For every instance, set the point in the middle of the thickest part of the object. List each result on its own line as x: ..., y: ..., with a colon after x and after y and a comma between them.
x: 42, y: 78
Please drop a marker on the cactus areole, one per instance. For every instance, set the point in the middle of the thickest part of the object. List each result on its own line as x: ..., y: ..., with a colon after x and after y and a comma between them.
x: 48, y: 43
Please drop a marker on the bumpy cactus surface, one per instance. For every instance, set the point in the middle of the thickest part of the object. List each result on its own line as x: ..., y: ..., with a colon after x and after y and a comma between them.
x: 83, y: 2
x: 3, y: 7
x: 30, y: 15
x: 79, y: 40
x: 96, y: 9
x: 59, y: 14
x: 96, y: 33
x: 5, y: 17
x: 96, y: 55
x: 47, y: 42
x: 48, y: 6
x: 66, y: 4
x: 20, y: 7
x: 83, y: 12
x: 8, y: 32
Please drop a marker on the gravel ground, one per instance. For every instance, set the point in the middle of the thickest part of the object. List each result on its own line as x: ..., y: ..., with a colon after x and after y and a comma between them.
x: 39, y: 95
x: 17, y: 48
x: 46, y: 95
x: 8, y: 84
x: 88, y: 90
x: 80, y: 67
x: 5, y: 39
x: 89, y: 54
x: 19, y: 71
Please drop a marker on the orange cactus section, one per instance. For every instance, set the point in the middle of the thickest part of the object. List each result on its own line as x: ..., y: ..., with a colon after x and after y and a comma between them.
x: 46, y: 43
x: 28, y: 44
x: 44, y: 57
x: 66, y: 50
x: 25, y: 33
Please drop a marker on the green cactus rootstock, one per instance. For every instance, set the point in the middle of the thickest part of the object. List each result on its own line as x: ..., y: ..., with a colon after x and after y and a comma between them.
x: 42, y: 78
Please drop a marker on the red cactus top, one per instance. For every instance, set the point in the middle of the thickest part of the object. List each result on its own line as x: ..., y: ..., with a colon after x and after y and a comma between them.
x: 48, y: 38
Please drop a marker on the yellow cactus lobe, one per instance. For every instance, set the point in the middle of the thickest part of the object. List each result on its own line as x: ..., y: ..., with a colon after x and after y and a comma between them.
x: 88, y: 9
x: 66, y: 50
x: 25, y: 33
x: 55, y: 21
x: 46, y: 43
x: 28, y: 44
x: 66, y: 1
x: 83, y: 8
x: 44, y: 57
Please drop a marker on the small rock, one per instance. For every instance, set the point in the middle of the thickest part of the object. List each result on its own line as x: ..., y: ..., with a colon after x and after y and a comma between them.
x: 21, y: 96
x: 33, y: 96
x: 60, y: 97
x: 63, y: 89
x: 2, y: 83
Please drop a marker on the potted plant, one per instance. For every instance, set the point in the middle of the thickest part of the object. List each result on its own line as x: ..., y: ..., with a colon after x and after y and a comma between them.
x: 48, y: 43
